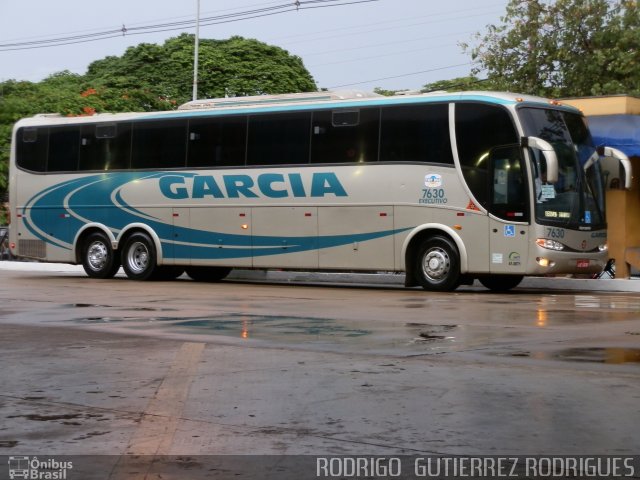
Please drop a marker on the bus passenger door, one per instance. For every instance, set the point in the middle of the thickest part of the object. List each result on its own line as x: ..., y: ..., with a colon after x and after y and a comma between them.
x: 508, y: 211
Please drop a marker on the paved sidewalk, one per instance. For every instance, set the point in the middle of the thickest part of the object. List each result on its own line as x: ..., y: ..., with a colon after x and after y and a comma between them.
x: 381, y: 279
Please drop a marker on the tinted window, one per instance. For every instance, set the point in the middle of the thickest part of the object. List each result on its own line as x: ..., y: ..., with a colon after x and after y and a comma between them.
x: 279, y: 139
x: 345, y: 137
x: 105, y: 147
x: 159, y: 144
x: 416, y: 134
x: 217, y: 142
x: 64, y: 147
x: 31, y: 148
x: 479, y: 129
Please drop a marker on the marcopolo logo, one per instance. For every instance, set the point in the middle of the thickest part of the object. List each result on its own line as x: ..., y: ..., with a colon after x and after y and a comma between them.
x: 36, y: 469
x: 271, y: 185
x: 433, y: 180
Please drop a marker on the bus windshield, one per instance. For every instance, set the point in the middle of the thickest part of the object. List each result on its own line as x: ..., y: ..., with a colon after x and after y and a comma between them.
x: 576, y: 200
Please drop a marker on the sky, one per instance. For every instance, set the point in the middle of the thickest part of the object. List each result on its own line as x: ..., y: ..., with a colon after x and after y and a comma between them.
x: 391, y: 44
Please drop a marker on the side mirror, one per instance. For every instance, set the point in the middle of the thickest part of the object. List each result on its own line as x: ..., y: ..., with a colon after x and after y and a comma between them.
x: 550, y: 156
x: 622, y: 158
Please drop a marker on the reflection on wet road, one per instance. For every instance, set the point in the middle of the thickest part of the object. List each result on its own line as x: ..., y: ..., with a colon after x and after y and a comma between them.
x: 387, y: 322
x: 525, y: 325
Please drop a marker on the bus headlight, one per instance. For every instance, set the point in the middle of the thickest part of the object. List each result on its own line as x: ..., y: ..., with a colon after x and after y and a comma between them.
x: 603, y: 248
x: 549, y: 244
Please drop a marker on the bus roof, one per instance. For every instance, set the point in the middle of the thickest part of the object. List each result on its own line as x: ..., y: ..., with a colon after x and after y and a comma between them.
x: 297, y: 102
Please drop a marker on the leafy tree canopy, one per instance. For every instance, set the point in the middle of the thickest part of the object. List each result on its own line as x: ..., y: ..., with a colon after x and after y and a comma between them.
x: 233, y: 67
x: 460, y: 84
x: 563, y: 48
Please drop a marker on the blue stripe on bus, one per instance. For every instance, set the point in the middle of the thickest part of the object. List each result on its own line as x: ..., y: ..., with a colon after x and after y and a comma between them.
x: 90, y: 198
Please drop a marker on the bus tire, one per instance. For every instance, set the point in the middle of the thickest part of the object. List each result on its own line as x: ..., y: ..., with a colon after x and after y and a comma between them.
x: 208, y: 274
x: 500, y: 283
x: 98, y: 258
x: 139, y: 257
x: 438, y: 265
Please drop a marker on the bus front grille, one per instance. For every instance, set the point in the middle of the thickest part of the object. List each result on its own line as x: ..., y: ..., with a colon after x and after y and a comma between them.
x: 32, y: 248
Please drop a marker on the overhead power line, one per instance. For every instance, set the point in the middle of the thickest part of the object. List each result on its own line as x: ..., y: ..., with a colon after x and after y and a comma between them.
x: 178, y: 25
x: 400, y: 76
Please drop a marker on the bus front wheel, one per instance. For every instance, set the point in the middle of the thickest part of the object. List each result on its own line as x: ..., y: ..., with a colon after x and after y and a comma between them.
x: 139, y: 257
x: 500, y: 283
x: 438, y: 265
x: 98, y: 258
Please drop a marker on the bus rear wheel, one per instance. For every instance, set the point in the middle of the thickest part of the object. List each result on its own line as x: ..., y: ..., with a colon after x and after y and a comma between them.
x: 500, y: 283
x: 139, y: 257
x: 438, y: 265
x: 208, y: 274
x: 98, y: 258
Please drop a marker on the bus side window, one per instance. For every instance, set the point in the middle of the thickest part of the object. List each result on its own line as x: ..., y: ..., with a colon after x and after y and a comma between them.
x: 64, y: 149
x: 31, y: 148
x: 105, y: 146
x: 416, y: 134
x: 159, y: 144
x: 479, y: 129
x: 279, y: 139
x: 217, y: 142
x: 348, y: 136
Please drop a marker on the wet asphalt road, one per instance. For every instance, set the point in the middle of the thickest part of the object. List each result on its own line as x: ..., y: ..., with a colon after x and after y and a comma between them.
x: 184, y: 368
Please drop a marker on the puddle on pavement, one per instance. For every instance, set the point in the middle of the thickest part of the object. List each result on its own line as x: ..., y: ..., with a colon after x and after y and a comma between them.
x: 387, y: 337
x: 432, y: 333
x: 599, y: 355
x: 613, y: 355
x: 46, y: 418
x: 84, y: 305
x: 258, y: 326
x: 128, y: 309
x: 407, y: 338
x: 243, y: 326
x: 550, y: 318
x: 104, y: 319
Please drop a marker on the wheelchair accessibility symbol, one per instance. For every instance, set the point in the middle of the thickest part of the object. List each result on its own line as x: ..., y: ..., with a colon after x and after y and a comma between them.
x: 509, y: 230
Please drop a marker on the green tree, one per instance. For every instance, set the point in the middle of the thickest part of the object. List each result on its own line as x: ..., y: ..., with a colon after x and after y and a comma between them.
x: 563, y: 48
x: 460, y: 84
x: 233, y: 67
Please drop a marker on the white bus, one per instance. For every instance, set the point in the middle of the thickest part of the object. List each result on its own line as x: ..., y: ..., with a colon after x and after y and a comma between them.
x: 447, y: 188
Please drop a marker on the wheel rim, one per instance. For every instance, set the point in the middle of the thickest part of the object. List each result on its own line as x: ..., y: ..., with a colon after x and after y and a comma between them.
x: 436, y: 264
x: 138, y: 257
x: 97, y: 256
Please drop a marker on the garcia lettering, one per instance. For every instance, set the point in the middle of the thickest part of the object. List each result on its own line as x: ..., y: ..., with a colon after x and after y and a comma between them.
x: 270, y: 185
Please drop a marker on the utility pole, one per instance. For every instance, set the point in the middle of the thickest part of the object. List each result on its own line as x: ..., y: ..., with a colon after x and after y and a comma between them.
x: 195, y: 54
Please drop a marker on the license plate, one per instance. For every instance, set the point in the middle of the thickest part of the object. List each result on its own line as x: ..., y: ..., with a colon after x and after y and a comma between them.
x: 582, y: 264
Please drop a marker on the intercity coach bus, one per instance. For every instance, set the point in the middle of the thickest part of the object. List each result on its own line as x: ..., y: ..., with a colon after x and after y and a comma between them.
x: 445, y: 187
